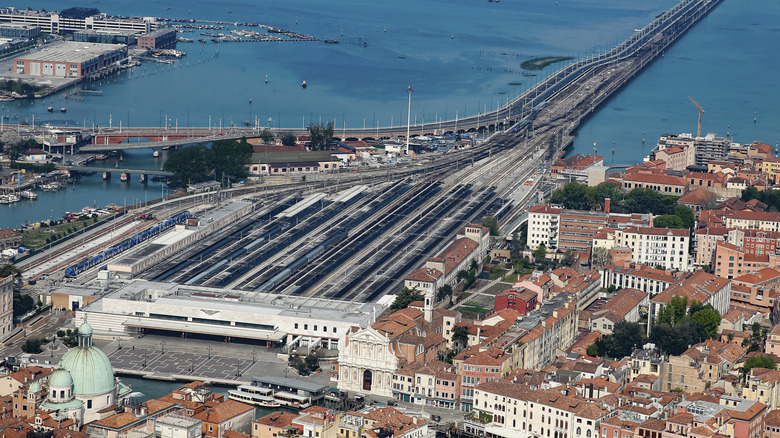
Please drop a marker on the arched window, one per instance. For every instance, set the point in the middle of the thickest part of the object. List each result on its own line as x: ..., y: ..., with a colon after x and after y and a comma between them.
x: 579, y: 431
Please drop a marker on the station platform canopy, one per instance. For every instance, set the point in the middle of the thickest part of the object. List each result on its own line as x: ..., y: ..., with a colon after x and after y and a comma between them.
x: 206, y: 329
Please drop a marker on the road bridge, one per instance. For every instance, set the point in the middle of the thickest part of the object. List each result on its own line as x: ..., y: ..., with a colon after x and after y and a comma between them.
x: 643, y: 46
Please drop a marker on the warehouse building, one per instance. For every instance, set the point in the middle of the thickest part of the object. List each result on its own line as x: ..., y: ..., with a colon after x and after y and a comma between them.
x: 69, y: 59
x: 126, y: 37
x: 158, y: 39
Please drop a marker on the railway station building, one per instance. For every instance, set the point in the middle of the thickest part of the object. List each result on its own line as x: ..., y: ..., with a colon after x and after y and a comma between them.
x: 132, y: 308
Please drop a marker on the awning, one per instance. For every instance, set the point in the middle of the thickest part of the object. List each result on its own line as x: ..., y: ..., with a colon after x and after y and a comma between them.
x: 205, y: 329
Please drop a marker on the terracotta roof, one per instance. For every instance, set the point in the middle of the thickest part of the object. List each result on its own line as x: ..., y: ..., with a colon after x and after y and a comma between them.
x: 657, y: 179
x: 235, y: 434
x: 155, y: 405
x: 772, y: 418
x: 581, y: 408
x: 117, y: 421
x: 223, y: 411
x: 277, y: 419
x: 429, y: 275
x: 698, y: 196
x: 544, y: 209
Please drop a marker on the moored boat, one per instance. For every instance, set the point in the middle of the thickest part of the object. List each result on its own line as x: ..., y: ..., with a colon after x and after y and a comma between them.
x: 254, y: 395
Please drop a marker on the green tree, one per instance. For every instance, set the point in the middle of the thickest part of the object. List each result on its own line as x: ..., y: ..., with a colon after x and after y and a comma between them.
x: 760, y: 361
x: 709, y: 319
x: 626, y: 337
x: 516, y: 247
x: 686, y: 215
x: 443, y: 292
x: 192, y: 164
x: 541, y: 252
x: 571, y: 196
x: 674, y: 311
x: 23, y: 303
x: 460, y: 337
x: 33, y: 346
x: 593, y: 350
x: 9, y: 270
x: 288, y: 139
x: 266, y: 135
x: 320, y: 136
x: 492, y: 223
x: 641, y: 200
x: 231, y: 158
x: 749, y: 193
x: 405, y: 297
x: 600, y: 257
x: 668, y: 221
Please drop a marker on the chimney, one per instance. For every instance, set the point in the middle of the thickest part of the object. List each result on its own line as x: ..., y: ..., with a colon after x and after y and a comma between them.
x: 606, y: 205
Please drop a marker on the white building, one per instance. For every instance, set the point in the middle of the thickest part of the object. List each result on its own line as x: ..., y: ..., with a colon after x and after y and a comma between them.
x: 140, y: 306
x: 543, y: 226
x: 644, y: 278
x: 666, y: 248
x: 367, y: 363
x: 514, y: 410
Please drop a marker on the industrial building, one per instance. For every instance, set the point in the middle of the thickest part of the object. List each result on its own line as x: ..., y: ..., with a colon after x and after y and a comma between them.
x: 69, y: 59
x: 74, y: 19
x: 157, y: 39
x: 12, y: 30
x: 126, y: 37
x: 130, y: 308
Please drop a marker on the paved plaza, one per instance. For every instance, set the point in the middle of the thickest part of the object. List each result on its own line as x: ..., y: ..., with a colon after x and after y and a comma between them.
x: 172, y: 358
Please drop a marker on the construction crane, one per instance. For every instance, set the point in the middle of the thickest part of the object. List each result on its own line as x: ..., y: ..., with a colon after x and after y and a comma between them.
x: 701, y: 111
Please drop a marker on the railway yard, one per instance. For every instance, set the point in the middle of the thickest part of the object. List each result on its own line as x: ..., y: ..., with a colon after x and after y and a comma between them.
x: 352, y: 236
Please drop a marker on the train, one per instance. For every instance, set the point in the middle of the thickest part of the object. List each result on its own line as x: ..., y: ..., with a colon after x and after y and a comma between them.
x: 306, y: 258
x: 530, y: 118
x: 125, y: 245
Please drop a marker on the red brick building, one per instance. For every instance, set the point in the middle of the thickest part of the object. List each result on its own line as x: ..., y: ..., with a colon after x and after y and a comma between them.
x: 522, y: 300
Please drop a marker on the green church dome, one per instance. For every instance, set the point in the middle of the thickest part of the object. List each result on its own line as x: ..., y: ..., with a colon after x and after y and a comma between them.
x: 89, y: 367
x: 35, y: 386
x: 60, y: 378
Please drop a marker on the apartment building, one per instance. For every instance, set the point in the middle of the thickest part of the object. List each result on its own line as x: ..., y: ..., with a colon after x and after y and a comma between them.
x: 664, y: 248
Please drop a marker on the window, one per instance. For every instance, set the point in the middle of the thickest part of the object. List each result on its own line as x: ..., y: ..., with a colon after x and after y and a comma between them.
x: 296, y: 325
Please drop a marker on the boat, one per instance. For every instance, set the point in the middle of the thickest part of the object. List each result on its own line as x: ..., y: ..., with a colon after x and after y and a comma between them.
x: 124, y: 177
x: 254, y: 395
x: 13, y: 198
x: 28, y: 194
x: 331, y: 41
x: 303, y: 84
x: 290, y: 400
x: 4, y: 199
x: 156, y: 153
x: 201, y: 40
x: 63, y: 109
x: 52, y: 186
x: 50, y: 109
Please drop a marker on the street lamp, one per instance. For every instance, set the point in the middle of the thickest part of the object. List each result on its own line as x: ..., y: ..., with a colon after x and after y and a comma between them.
x: 408, y: 118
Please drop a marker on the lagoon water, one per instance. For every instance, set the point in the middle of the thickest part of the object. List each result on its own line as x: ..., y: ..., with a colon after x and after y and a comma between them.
x: 459, y: 56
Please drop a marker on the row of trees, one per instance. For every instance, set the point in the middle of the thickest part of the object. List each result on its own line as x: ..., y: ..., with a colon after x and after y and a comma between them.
x: 578, y: 196
x: 226, y: 159
x: 677, y: 327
